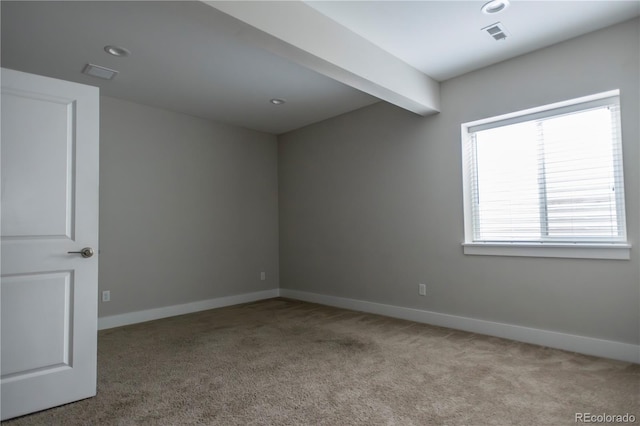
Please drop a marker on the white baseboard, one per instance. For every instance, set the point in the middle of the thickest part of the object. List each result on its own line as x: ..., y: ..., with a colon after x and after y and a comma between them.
x: 187, y: 308
x: 569, y: 342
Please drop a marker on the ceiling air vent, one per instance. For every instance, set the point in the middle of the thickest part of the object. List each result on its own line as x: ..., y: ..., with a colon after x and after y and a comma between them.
x: 100, y: 72
x: 497, y: 31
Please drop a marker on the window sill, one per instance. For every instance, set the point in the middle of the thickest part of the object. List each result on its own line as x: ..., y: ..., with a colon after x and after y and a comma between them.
x: 571, y: 251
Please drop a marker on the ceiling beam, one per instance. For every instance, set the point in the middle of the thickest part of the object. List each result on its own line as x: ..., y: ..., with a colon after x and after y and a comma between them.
x: 301, y: 34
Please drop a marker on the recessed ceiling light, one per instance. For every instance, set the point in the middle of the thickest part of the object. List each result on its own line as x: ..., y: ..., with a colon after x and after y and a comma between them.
x: 276, y: 101
x: 117, y: 51
x: 495, y: 6
x: 100, y: 72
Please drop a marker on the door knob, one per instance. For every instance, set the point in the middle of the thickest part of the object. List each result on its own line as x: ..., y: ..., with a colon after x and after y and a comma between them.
x: 85, y: 252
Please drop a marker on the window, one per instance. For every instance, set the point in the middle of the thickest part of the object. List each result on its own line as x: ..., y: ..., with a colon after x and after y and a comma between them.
x: 547, y: 181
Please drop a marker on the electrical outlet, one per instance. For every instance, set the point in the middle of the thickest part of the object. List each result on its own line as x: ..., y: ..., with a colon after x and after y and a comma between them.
x: 106, y: 296
x: 422, y: 289
x: 263, y: 276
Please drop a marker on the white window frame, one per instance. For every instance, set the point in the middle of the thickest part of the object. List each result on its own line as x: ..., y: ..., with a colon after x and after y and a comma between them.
x: 576, y: 249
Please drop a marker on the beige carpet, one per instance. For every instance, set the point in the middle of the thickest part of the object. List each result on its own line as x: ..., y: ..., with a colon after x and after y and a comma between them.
x: 284, y: 362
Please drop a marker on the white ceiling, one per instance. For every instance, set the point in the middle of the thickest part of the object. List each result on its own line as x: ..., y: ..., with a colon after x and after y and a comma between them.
x: 443, y: 39
x: 185, y: 57
x: 191, y: 57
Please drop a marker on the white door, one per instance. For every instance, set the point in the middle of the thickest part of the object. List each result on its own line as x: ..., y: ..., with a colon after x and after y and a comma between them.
x: 49, y: 164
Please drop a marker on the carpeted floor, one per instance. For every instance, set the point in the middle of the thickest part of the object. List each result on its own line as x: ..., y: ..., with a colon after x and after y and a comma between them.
x: 283, y: 362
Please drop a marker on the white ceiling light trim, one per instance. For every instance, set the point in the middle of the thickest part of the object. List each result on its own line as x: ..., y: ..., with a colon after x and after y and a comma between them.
x: 277, y: 101
x: 117, y: 51
x: 495, y: 6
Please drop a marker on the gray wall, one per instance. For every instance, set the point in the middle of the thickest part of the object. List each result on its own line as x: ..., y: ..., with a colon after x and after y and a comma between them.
x: 371, y: 201
x: 188, y: 208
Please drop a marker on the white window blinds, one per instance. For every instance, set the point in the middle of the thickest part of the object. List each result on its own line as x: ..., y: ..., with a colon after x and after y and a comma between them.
x: 553, y: 175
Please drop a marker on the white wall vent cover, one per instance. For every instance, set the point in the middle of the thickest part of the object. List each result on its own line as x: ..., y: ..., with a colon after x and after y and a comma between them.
x: 100, y: 72
x: 497, y: 31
